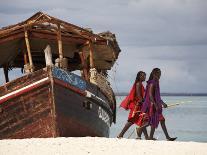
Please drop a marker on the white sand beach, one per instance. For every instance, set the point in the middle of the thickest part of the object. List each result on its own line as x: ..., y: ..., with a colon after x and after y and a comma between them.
x: 99, y: 146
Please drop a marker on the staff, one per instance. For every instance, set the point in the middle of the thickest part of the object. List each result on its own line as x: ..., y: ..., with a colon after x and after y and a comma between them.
x: 168, y: 106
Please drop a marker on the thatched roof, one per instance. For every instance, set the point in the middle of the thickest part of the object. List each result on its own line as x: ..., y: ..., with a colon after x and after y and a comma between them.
x: 42, y: 30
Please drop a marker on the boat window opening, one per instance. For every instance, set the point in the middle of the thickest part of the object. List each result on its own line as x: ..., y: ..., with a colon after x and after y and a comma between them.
x: 15, y: 73
x: 12, y: 74
x: 2, y: 78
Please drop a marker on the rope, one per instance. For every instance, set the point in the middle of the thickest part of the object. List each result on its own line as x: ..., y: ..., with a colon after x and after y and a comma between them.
x: 113, y: 78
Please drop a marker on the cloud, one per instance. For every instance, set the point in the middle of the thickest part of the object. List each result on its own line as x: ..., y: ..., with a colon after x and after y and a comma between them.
x: 168, y: 34
x: 183, y: 69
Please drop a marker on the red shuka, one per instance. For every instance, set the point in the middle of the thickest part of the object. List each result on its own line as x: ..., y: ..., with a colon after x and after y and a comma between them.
x: 130, y: 103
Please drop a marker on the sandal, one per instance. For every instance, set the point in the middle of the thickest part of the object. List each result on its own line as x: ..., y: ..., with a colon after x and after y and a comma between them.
x: 171, y: 139
x: 119, y: 137
x: 152, y: 138
x: 139, y: 138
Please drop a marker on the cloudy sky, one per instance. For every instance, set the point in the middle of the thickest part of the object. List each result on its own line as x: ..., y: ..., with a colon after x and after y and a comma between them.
x: 169, y: 34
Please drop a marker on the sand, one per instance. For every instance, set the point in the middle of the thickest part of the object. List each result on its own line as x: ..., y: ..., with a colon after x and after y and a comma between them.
x: 99, y: 146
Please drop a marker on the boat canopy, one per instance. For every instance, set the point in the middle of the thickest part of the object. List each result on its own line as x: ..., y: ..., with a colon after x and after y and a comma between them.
x: 25, y: 42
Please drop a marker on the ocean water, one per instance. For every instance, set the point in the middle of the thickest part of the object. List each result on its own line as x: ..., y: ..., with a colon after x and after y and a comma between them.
x: 187, y: 121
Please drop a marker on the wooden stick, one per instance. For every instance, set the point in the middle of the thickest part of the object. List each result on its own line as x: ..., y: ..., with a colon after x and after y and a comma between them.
x: 60, y: 47
x: 172, y: 105
x: 28, y: 50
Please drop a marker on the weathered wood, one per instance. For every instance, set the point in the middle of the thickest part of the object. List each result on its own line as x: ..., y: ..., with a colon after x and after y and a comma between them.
x: 22, y: 81
x: 28, y: 116
x: 25, y: 58
x: 70, y: 112
x: 54, y: 108
x: 29, y: 51
x: 85, y: 67
x: 91, y: 49
x: 11, y: 37
x: 60, y: 46
x: 53, y: 37
x: 41, y: 26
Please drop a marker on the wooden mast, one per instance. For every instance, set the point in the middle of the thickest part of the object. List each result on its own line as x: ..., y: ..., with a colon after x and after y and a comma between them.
x: 60, y: 47
x: 28, y: 50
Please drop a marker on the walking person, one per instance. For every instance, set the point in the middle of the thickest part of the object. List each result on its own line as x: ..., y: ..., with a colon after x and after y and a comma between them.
x: 153, y: 104
x: 133, y: 102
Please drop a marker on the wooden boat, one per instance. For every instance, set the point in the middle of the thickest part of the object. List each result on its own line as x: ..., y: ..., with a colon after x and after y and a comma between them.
x: 50, y: 100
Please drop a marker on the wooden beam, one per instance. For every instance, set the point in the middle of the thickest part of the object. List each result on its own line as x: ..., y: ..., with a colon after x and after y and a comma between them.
x: 11, y: 37
x: 60, y: 46
x: 85, y: 67
x: 25, y: 58
x: 77, y: 29
x: 28, y: 50
x: 91, y: 50
x: 53, y: 37
x: 47, y: 36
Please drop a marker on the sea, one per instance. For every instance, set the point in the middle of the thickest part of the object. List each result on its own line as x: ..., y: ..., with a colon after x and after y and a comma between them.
x: 187, y: 120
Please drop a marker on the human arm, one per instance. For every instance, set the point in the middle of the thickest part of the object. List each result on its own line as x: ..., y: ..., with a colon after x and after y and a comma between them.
x: 139, y: 92
x: 164, y: 104
x: 151, y: 95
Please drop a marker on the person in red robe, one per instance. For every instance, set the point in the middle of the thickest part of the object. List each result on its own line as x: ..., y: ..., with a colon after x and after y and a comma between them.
x: 133, y: 102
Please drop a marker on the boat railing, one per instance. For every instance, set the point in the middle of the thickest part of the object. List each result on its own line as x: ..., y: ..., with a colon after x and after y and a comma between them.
x: 102, y: 82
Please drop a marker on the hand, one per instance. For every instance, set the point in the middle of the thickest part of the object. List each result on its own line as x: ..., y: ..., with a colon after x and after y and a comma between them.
x: 156, y: 107
x: 164, y: 105
x: 138, y: 103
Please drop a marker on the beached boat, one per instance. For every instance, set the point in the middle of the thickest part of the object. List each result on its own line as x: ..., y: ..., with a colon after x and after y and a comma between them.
x: 50, y: 99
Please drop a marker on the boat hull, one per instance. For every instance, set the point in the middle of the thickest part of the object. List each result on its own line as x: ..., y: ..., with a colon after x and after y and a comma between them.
x: 44, y: 105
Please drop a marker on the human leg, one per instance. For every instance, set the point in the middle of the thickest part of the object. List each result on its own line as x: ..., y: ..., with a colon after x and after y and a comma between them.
x: 152, y: 131
x: 126, y: 127
x: 164, y: 128
x: 141, y: 130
